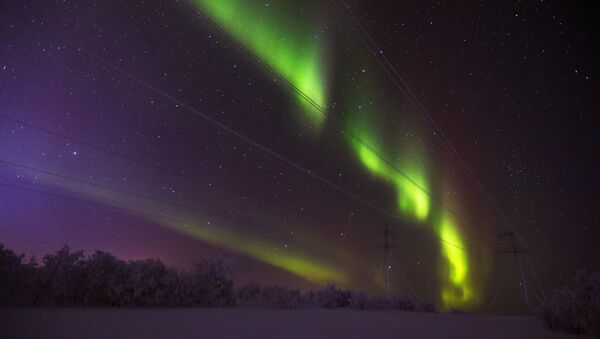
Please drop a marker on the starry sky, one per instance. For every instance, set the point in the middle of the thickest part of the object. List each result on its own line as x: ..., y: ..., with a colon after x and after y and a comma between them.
x: 268, y: 133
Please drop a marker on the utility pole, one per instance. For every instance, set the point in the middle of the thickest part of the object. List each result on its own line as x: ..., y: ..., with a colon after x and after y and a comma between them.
x: 386, y: 270
x: 516, y: 252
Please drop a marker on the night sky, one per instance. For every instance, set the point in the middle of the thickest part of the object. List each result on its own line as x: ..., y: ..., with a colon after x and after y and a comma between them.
x: 142, y: 129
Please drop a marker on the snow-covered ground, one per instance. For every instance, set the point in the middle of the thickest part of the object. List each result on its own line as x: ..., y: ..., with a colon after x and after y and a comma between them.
x: 251, y: 323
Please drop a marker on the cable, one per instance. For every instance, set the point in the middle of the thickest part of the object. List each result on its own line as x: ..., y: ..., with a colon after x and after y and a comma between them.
x: 128, y: 158
x: 227, y: 128
x: 535, y: 277
x: 402, y: 85
x: 128, y: 210
x: 217, y: 123
x: 537, y: 296
x: 319, y: 108
x: 92, y: 146
x: 137, y: 195
x: 227, y: 216
x: 103, y: 149
x: 404, y: 277
x: 502, y: 280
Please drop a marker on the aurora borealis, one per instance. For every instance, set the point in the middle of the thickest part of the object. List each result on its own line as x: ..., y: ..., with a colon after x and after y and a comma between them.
x: 127, y: 170
x: 289, y: 42
x: 457, y: 289
x: 407, y: 177
x: 256, y: 25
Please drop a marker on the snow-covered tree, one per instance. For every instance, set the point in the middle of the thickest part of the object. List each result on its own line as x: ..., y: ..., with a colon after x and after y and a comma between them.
x: 576, y: 308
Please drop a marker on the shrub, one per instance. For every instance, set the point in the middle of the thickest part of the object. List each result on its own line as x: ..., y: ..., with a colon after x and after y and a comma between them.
x: 280, y: 297
x: 329, y: 297
x: 248, y: 295
x: 358, y: 300
x: 402, y: 302
x: 426, y: 307
x: 271, y: 296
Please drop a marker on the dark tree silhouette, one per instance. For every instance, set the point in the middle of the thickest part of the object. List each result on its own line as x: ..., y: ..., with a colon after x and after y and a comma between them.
x: 101, y: 279
x: 15, y: 274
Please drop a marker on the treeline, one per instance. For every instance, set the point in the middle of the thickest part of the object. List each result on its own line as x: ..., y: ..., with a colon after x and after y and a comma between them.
x: 66, y: 278
x: 101, y: 279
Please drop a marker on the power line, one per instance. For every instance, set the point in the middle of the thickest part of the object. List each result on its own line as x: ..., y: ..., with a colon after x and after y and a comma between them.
x: 517, y: 252
x: 102, y: 149
x: 133, y: 194
x: 535, y: 277
x: 183, y: 175
x: 211, y: 120
x: 412, y: 290
x: 405, y: 89
x: 234, y: 132
x: 502, y: 280
x: 227, y: 215
x: 130, y: 210
x: 315, y: 105
x: 402, y: 85
x: 92, y: 146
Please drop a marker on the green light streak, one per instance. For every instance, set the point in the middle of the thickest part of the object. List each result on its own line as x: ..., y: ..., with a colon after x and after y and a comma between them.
x: 454, y: 269
x: 285, y: 259
x: 411, y: 199
x: 279, y: 37
x: 310, y: 268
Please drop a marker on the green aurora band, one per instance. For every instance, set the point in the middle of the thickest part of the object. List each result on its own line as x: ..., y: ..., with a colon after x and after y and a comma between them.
x: 304, y: 265
x: 283, y: 40
x: 284, y: 43
x: 295, y: 54
x: 411, y: 198
x: 280, y: 38
x: 288, y: 260
x: 414, y: 202
x: 454, y: 268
